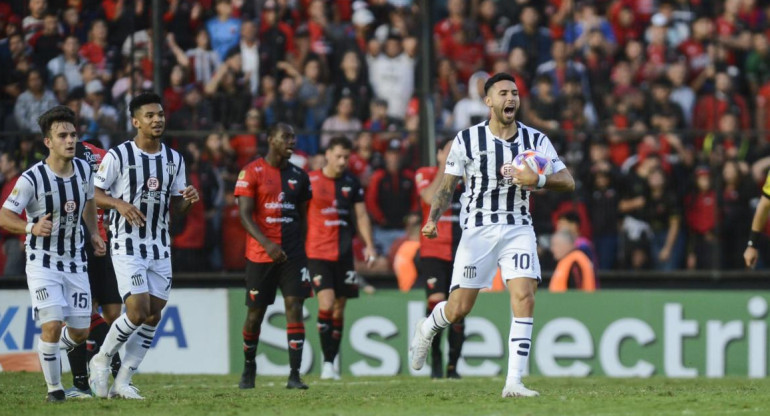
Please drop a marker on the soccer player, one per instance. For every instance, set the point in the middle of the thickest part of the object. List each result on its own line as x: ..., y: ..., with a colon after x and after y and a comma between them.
x: 104, y: 294
x: 497, y: 226
x: 56, y: 193
x: 142, y: 176
x: 273, y: 197
x: 336, y: 207
x: 751, y: 254
x: 435, y: 265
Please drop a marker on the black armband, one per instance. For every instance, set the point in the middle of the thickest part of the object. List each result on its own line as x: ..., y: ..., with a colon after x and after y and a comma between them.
x: 754, y: 238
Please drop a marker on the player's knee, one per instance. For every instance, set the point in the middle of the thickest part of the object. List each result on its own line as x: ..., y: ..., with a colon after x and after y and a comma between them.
x: 110, y: 314
x: 153, y: 320
x: 458, y: 312
x: 524, y: 300
x: 51, y: 331
x: 78, y: 336
x: 294, y: 310
x: 138, y: 315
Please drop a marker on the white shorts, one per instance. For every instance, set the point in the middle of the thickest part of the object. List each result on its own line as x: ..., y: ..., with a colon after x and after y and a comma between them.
x: 68, y: 291
x: 136, y: 275
x: 481, y: 250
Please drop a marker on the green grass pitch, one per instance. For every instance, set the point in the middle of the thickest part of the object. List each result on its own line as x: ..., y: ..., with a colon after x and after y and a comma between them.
x: 23, y: 394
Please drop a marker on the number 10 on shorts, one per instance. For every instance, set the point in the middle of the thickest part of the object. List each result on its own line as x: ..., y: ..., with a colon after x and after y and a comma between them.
x: 522, y: 261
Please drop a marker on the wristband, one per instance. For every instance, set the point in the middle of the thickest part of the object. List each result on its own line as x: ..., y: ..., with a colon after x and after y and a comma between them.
x: 28, y: 229
x: 541, y: 181
x: 753, y: 239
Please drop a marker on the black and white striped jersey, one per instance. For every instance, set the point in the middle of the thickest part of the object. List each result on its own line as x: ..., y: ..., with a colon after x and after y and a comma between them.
x: 147, y: 181
x: 39, y: 191
x: 490, y: 197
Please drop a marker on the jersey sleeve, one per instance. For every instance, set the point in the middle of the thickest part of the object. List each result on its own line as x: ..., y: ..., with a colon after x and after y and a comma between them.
x: 90, y: 188
x: 546, y: 147
x: 307, y: 188
x: 20, y: 196
x: 457, y: 158
x: 358, y: 192
x: 247, y: 183
x: 107, y: 172
x: 766, y: 186
x: 180, y: 182
x: 422, y: 179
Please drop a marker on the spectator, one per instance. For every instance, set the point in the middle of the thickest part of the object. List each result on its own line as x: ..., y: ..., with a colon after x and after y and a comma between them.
x: 276, y: 40
x: 492, y: 24
x: 189, y: 231
x: 343, y: 123
x: 625, y: 24
x: 353, y: 83
x: 33, y: 23
x: 73, y: 26
x: 698, y: 60
x: 390, y: 196
x: 202, y: 61
x: 758, y: 63
x: 287, y: 108
x: 544, y: 111
x: 587, y: 20
x: 710, y: 107
x: 443, y: 31
x: 228, y: 91
x: 248, y: 146
x: 447, y: 86
x: 33, y: 102
x: 68, y: 63
x: 363, y: 158
x: 392, y: 76
x: 250, y: 56
x: 98, y: 51
x: 362, y: 23
x: 660, y: 103
x: 313, y: 91
x: 681, y: 93
x: 60, y: 88
x: 182, y: 19
x: 13, y: 245
x: 15, y: 55
x: 472, y: 110
x: 103, y: 115
x: 212, y: 168
x: 46, y: 42
x: 701, y: 211
x: 533, y: 39
x: 559, y: 69
x: 268, y: 92
x: 603, y: 206
x: 735, y: 213
x: 466, y: 51
x: 384, y: 126
x: 195, y: 114
x: 173, y: 95
x: 663, y: 213
x: 224, y: 30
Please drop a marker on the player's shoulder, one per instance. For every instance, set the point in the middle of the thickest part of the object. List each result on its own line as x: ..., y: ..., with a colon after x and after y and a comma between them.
x: 467, y: 132
x: 349, y: 178
x: 296, y: 170
x: 81, y: 163
x: 315, y: 174
x: 33, y: 169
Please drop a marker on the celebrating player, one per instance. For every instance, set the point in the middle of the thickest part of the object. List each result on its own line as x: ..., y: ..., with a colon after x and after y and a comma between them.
x: 435, y: 265
x: 272, y: 201
x: 497, y: 226
x: 104, y: 293
x: 56, y: 193
x: 751, y: 254
x: 142, y: 176
x: 337, y: 205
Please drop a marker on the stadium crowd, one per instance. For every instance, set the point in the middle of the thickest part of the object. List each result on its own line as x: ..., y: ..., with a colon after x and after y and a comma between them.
x: 660, y: 108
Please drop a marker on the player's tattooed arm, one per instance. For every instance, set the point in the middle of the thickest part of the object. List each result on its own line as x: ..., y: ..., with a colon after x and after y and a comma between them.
x: 443, y: 196
x: 560, y: 181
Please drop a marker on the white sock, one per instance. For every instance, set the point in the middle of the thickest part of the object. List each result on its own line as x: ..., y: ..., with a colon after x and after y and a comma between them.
x: 66, y: 342
x: 118, y: 334
x: 519, y: 346
x: 436, y: 321
x: 136, y: 349
x: 50, y: 361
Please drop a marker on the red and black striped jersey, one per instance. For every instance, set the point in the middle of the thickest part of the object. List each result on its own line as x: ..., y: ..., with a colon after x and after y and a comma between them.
x: 93, y: 155
x: 277, y: 195
x: 331, y: 216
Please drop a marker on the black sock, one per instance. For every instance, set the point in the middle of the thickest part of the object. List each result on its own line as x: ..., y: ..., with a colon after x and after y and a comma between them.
x: 325, y: 334
x: 435, y: 348
x: 337, y: 325
x: 250, y: 342
x: 295, y: 334
x: 99, y: 329
x: 78, y: 364
x: 456, y: 338
x: 115, y: 364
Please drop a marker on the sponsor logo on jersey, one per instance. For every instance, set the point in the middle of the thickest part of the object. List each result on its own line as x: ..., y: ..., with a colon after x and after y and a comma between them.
x: 70, y: 206
x: 152, y: 183
x: 273, y: 220
x: 241, y: 184
x: 507, y: 171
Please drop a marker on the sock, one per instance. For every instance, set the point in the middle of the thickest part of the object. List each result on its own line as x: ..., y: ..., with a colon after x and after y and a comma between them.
x: 65, y: 341
x: 295, y: 334
x: 77, y: 355
x: 118, y: 334
x: 136, y: 349
x: 519, y: 345
x: 436, y: 321
x: 435, y: 347
x: 337, y: 325
x: 456, y: 338
x: 325, y: 333
x: 250, y: 341
x: 50, y: 361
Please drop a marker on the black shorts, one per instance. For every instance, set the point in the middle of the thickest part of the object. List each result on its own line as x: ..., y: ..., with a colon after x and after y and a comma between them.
x: 339, y: 275
x: 437, y: 274
x: 264, y: 279
x: 101, y: 277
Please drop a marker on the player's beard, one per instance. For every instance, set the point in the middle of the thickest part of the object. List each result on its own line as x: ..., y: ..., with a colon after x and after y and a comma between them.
x: 502, y: 118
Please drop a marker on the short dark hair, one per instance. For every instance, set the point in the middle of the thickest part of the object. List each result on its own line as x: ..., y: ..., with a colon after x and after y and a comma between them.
x: 500, y: 76
x: 143, y: 99
x: 571, y: 217
x: 58, y: 114
x: 278, y: 127
x: 340, y: 141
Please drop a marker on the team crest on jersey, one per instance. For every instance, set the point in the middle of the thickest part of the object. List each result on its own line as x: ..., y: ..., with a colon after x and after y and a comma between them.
x: 292, y: 183
x: 345, y: 191
x: 15, y: 192
x: 507, y: 171
x: 170, y: 167
x: 317, y: 280
x: 152, y: 183
x: 102, y: 168
x: 70, y: 206
x: 432, y: 283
